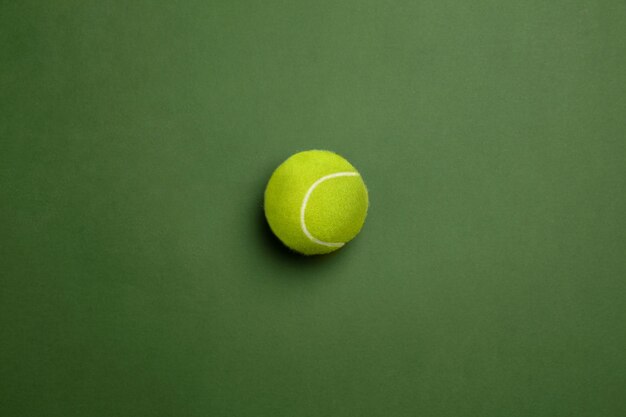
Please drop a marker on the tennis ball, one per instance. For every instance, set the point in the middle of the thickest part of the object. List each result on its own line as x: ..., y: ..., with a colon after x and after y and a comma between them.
x: 315, y: 202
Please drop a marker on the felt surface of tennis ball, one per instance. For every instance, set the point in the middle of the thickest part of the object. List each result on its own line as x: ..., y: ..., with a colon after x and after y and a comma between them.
x: 315, y: 202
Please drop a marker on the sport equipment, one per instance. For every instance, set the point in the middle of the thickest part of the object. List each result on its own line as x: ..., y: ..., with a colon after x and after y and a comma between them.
x: 315, y: 202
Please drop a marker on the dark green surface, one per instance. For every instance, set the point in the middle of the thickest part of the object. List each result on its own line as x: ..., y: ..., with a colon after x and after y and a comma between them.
x: 139, y: 279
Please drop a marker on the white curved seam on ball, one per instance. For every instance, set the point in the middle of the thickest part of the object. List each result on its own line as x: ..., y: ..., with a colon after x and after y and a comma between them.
x: 306, y: 200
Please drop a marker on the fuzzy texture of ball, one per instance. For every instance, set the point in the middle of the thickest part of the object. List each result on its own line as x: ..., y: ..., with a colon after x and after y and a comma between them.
x: 315, y: 202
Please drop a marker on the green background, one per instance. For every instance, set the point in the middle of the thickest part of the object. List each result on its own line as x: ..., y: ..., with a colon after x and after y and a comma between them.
x: 138, y: 277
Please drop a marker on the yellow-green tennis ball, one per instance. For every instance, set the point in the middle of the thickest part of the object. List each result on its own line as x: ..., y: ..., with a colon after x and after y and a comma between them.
x: 315, y: 202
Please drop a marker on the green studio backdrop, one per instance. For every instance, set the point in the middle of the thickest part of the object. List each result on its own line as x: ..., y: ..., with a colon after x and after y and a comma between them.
x: 138, y: 276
